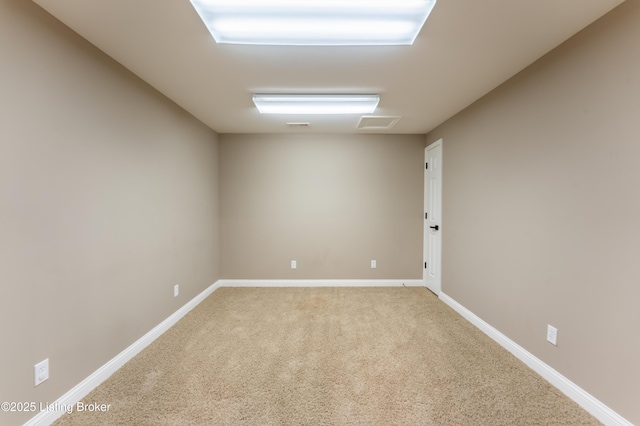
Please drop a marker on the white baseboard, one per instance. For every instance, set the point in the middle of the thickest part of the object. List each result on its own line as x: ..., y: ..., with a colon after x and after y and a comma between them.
x: 83, y: 388
x: 599, y: 410
x: 321, y: 283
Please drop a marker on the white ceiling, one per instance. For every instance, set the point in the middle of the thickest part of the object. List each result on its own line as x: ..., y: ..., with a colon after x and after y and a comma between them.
x: 467, y: 48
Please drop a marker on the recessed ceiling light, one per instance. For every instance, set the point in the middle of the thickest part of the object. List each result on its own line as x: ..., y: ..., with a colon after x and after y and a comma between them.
x: 316, y: 104
x: 314, y: 22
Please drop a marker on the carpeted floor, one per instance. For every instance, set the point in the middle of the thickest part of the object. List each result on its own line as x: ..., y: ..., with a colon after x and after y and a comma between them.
x: 326, y: 356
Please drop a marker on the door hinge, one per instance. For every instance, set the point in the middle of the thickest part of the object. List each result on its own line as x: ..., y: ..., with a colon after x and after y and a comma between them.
x: 426, y: 215
x: 425, y: 265
x: 426, y: 165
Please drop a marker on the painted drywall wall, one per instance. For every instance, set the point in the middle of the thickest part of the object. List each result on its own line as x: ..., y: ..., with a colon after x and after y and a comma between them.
x: 333, y: 203
x: 108, y: 197
x: 541, y: 194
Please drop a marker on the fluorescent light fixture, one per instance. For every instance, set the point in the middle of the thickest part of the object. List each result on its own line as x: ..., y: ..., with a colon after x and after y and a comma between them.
x: 316, y: 104
x: 314, y: 22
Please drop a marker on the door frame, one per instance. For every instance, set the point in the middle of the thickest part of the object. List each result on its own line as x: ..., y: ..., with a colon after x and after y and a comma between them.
x: 436, y: 288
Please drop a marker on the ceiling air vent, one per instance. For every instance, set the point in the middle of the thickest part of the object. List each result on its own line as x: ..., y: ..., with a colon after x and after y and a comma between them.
x: 377, y: 122
x: 297, y: 125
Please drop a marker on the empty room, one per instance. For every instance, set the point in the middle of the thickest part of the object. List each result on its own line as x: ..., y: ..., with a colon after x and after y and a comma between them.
x: 212, y: 221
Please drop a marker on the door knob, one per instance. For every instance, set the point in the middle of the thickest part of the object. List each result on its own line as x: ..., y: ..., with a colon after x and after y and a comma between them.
x: 435, y: 228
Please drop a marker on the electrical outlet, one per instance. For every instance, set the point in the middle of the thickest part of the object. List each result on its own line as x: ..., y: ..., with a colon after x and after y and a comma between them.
x: 294, y: 264
x: 41, y: 372
x: 552, y: 335
x: 374, y: 264
x: 176, y: 290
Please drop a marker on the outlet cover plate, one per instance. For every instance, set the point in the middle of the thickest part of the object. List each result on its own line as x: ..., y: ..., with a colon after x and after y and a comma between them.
x: 294, y: 264
x: 41, y: 372
x: 176, y: 290
x: 374, y: 264
x: 552, y: 335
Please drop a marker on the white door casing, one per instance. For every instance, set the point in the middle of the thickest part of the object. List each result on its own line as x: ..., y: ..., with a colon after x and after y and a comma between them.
x: 433, y: 217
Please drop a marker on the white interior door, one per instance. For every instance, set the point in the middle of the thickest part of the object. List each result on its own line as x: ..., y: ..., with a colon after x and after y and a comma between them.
x: 433, y: 217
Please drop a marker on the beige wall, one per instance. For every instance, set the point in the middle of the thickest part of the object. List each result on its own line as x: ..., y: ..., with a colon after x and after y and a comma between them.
x: 331, y: 202
x: 542, y: 208
x: 108, y: 197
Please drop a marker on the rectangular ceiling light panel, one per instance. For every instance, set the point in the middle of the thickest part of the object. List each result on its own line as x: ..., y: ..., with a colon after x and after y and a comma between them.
x: 314, y: 22
x: 316, y: 104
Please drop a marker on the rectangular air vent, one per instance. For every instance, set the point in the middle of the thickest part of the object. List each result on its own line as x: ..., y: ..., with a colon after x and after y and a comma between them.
x: 377, y: 122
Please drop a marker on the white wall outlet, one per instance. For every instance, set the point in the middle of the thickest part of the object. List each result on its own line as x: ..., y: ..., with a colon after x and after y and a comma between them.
x: 294, y: 264
x: 41, y: 372
x: 176, y: 290
x: 374, y: 264
x: 552, y: 335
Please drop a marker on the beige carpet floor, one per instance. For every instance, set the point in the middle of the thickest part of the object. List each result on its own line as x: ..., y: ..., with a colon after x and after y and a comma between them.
x: 326, y: 356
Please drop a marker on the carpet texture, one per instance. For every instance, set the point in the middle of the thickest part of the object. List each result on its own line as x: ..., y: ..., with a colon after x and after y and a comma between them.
x: 326, y: 356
